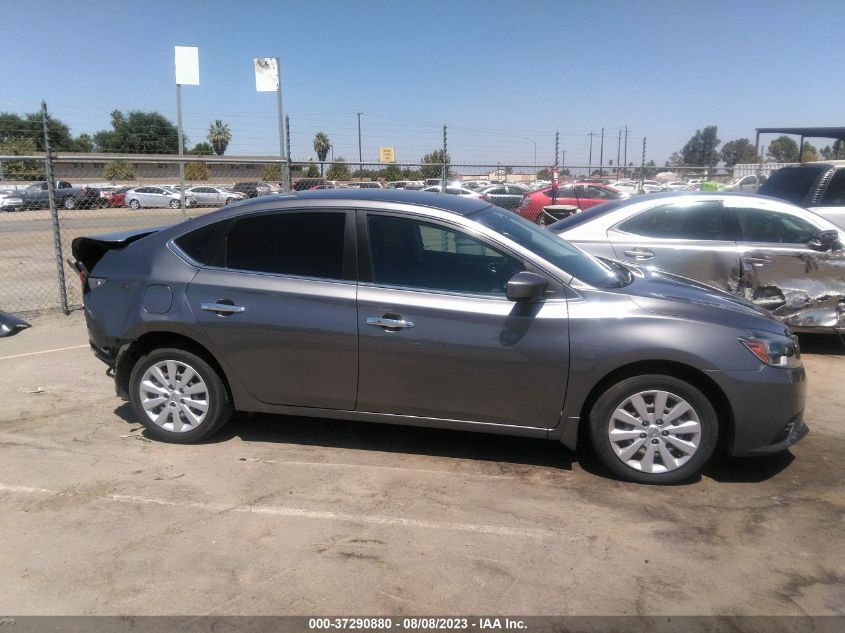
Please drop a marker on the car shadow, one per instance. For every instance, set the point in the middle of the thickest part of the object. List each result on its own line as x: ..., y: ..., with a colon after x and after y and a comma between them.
x: 463, y: 445
x: 825, y: 344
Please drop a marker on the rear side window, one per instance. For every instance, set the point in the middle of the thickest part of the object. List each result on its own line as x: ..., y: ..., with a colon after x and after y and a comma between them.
x: 835, y: 194
x: 302, y: 244
x: 792, y: 183
x: 200, y: 243
x: 697, y: 221
x: 761, y: 225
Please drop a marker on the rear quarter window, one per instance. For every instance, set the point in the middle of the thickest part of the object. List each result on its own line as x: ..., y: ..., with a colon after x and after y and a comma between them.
x: 201, y: 243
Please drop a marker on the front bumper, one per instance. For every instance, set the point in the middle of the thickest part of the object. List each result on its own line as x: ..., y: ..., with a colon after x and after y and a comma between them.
x: 767, y: 406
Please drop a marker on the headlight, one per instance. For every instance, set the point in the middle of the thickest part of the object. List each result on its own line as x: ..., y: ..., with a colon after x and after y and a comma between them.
x: 777, y: 351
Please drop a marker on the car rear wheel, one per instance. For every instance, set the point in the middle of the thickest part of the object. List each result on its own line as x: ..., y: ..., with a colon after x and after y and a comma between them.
x: 69, y: 203
x: 654, y: 429
x: 230, y: 200
x: 178, y: 396
x: 134, y: 204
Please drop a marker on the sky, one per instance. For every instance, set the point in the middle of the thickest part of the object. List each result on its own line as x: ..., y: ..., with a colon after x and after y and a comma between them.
x: 502, y: 76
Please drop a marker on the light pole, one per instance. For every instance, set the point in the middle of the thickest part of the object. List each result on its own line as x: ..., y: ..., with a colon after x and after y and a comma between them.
x: 360, y: 156
x: 525, y: 138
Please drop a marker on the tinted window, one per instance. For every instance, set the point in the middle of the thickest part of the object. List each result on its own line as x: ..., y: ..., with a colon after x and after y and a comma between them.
x: 199, y: 244
x: 835, y: 194
x: 306, y: 244
x: 758, y: 225
x: 696, y: 221
x: 416, y: 254
x: 562, y: 192
x: 792, y: 183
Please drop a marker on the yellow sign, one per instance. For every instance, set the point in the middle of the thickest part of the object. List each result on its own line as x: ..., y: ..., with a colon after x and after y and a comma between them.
x: 386, y: 155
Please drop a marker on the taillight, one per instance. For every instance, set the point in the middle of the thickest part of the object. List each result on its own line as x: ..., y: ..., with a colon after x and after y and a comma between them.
x: 484, y: 196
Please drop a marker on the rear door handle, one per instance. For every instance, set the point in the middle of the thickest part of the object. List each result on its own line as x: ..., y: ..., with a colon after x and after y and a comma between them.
x: 639, y: 253
x: 222, y: 308
x: 389, y: 323
x: 760, y: 261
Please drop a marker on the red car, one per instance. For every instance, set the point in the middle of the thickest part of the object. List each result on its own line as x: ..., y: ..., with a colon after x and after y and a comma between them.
x: 117, y: 198
x: 581, y: 195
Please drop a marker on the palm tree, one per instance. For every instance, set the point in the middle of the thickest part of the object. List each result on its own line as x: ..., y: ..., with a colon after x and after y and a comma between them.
x: 219, y: 136
x: 321, y: 146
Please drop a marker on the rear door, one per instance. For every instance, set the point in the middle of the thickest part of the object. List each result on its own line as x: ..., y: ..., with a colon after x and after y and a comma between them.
x: 687, y: 237
x: 278, y: 303
x: 438, y: 337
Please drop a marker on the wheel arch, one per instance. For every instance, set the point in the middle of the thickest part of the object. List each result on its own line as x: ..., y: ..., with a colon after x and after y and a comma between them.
x: 674, y: 369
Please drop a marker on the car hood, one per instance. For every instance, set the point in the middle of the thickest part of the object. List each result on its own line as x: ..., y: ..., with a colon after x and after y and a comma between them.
x: 660, y: 292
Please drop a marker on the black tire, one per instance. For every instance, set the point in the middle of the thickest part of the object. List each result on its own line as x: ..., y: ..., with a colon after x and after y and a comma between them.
x: 217, y: 396
x: 230, y: 200
x: 603, y: 411
x: 134, y: 204
x: 174, y: 204
x: 69, y: 203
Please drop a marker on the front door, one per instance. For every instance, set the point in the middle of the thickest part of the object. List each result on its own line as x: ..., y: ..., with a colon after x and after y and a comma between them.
x: 439, y: 338
x: 279, y: 307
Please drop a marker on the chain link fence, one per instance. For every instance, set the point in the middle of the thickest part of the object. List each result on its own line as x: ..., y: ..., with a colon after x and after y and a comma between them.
x: 98, y: 193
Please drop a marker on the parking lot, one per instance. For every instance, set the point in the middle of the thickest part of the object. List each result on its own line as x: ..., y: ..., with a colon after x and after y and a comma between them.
x: 283, y: 515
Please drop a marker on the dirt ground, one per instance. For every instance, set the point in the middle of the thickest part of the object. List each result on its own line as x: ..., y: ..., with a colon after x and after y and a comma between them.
x: 282, y: 515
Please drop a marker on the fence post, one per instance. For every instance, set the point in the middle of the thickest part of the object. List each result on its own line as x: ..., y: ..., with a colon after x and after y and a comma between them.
x: 445, y: 164
x: 54, y: 215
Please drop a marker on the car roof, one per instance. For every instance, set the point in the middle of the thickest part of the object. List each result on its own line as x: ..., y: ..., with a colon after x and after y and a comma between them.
x: 459, y: 205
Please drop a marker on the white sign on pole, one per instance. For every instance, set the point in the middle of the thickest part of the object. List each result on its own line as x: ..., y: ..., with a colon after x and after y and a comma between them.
x: 266, y: 74
x: 187, y: 65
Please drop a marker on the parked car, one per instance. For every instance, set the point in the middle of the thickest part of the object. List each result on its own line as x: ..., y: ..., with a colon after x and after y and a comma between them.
x: 674, y: 185
x: 117, y: 197
x: 453, y: 191
x: 748, y: 184
x: 581, y: 195
x: 505, y: 196
x: 10, y: 200
x: 213, y: 196
x: 156, y: 197
x: 817, y: 186
x: 780, y: 257
x: 651, y: 186
x: 37, y: 196
x: 365, y: 185
x: 405, y: 184
x: 254, y: 188
x: 441, y: 311
x: 304, y: 184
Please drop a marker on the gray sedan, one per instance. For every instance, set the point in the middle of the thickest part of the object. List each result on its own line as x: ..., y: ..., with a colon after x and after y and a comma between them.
x: 785, y: 259
x: 214, y: 196
x: 442, y: 311
x: 156, y: 197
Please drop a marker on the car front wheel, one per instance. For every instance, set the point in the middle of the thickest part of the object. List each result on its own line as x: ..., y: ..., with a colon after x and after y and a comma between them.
x: 134, y: 204
x: 654, y: 429
x: 178, y: 396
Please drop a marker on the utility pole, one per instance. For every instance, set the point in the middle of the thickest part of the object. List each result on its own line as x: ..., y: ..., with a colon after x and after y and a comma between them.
x: 360, y: 155
x: 591, y: 135
x: 287, y: 145
x: 626, y: 150
x: 54, y: 214
x: 181, y: 150
x: 618, y: 151
x: 555, y: 176
x: 601, y: 155
x: 445, y: 165
x: 642, y: 168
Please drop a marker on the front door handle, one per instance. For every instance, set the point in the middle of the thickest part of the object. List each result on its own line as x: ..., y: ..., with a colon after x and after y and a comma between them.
x: 222, y: 308
x: 389, y: 323
x: 639, y: 253
x: 760, y: 261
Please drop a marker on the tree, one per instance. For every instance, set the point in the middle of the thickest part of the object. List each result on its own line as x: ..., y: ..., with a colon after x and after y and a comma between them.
x: 312, y: 172
x: 544, y: 174
x: 810, y: 153
x: 321, y: 146
x: 30, y: 127
x: 196, y: 171
x: 272, y: 172
x: 837, y: 152
x: 219, y: 136
x: 675, y: 160
x: 338, y: 170
x: 700, y: 150
x: 391, y: 172
x: 118, y: 170
x: 84, y: 143
x: 202, y: 149
x: 784, y: 150
x: 139, y: 132
x: 20, y: 169
x: 738, y: 151
x: 432, y: 164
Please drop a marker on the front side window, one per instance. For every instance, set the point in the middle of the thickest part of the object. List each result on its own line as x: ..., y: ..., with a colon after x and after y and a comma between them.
x: 696, y: 221
x: 760, y: 225
x: 414, y: 254
x: 301, y: 244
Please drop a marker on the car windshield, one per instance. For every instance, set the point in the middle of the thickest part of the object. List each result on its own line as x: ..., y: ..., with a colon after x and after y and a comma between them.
x: 553, y: 249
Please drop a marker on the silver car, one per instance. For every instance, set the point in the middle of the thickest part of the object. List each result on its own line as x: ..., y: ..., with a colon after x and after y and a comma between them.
x: 214, y: 196
x: 10, y: 200
x: 785, y: 259
x: 442, y: 311
x: 156, y: 197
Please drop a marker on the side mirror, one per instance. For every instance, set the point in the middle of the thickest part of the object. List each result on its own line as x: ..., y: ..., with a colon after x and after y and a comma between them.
x: 825, y: 241
x: 526, y: 287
